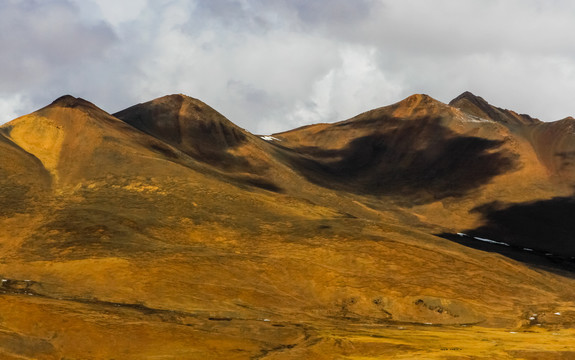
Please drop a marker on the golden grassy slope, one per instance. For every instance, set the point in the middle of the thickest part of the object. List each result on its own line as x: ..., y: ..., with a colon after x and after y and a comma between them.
x: 138, y: 250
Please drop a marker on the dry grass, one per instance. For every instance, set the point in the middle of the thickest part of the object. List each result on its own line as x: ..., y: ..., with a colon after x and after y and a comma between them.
x: 115, y: 244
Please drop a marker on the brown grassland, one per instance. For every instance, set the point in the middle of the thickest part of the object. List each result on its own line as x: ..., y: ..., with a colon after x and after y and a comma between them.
x: 167, y: 232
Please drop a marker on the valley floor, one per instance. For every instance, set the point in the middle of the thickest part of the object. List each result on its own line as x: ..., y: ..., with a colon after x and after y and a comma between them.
x: 34, y: 327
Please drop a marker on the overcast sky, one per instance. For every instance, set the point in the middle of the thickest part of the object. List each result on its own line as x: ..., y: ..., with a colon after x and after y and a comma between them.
x: 272, y: 65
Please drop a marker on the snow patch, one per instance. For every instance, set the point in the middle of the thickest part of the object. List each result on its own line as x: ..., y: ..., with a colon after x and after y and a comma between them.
x: 269, y: 138
x: 490, y: 241
x: 474, y: 119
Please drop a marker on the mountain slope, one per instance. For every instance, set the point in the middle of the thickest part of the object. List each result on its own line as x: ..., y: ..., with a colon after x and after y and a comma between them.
x: 410, y: 150
x: 22, y: 178
x: 191, y: 126
x: 421, y: 149
x: 477, y: 106
x: 75, y: 141
x: 205, y: 135
x: 554, y: 143
x: 456, y: 169
x: 143, y: 227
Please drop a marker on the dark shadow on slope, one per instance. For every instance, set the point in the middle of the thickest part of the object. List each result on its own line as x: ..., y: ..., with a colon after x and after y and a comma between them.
x: 23, y: 178
x: 566, y: 165
x: 540, y: 233
x: 198, y: 131
x: 546, y: 225
x: 563, y: 265
x: 259, y: 182
x: 418, y: 161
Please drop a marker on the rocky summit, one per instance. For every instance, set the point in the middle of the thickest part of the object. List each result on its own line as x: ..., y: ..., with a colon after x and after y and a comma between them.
x: 418, y: 230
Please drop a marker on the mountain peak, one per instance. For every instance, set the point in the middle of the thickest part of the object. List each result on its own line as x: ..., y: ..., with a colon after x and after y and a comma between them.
x: 170, y: 111
x: 69, y: 101
x: 477, y: 106
x: 468, y: 96
x: 174, y: 103
x: 188, y: 124
x: 419, y: 98
x: 179, y: 96
x: 174, y: 99
x: 417, y: 105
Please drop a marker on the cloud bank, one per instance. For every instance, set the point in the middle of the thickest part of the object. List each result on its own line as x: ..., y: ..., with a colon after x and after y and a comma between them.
x: 271, y: 65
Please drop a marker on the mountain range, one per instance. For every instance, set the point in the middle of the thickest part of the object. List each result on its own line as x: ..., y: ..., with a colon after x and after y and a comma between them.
x: 415, y: 230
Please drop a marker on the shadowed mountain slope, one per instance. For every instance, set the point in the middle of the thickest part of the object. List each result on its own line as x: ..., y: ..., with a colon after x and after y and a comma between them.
x: 206, y: 136
x: 407, y: 150
x: 197, y: 130
x: 477, y: 106
x: 444, y: 162
x: 190, y: 125
x: 554, y: 143
x: 418, y: 149
x: 166, y: 231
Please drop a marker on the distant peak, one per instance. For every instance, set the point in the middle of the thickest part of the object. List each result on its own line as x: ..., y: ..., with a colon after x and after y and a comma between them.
x: 477, y: 106
x: 419, y: 97
x: 176, y: 97
x: 418, y: 100
x: 567, y: 120
x: 69, y: 101
x: 176, y: 101
x: 417, y: 105
x: 468, y: 95
x: 173, y: 97
x: 64, y: 99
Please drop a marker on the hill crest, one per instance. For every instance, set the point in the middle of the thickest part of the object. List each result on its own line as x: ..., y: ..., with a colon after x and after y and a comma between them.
x: 477, y: 106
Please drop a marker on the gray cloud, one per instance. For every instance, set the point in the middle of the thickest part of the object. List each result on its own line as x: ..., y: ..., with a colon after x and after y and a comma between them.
x: 295, y: 15
x: 270, y: 65
x: 40, y: 35
x: 44, y: 45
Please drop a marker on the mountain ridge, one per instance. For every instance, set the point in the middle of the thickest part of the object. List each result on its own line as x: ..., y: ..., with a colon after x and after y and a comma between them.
x: 476, y: 105
x: 187, y: 124
x: 165, y: 230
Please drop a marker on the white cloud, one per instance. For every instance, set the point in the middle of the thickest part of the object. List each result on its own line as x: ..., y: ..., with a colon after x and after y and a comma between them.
x: 45, y: 47
x: 354, y: 86
x: 11, y: 106
x: 271, y: 65
x: 115, y: 12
